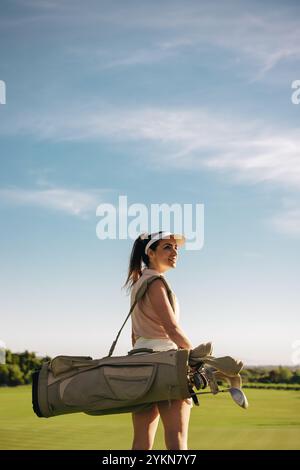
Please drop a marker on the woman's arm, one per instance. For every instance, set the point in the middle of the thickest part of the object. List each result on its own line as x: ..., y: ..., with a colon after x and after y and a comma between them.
x: 162, y: 307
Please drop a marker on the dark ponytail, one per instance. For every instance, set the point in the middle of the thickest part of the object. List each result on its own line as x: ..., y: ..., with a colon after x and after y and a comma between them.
x: 135, y: 263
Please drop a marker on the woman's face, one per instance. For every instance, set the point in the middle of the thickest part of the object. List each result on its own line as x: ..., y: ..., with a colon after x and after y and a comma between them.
x: 165, y: 255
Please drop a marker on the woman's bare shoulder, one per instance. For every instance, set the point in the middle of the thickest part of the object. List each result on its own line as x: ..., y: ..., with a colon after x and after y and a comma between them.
x: 157, y: 292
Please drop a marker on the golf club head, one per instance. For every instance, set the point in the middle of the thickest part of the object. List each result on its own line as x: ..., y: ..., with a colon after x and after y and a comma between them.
x: 212, y: 382
x: 239, y: 397
x: 199, y: 380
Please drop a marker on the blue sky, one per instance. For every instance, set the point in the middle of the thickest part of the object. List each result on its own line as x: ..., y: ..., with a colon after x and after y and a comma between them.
x: 184, y: 102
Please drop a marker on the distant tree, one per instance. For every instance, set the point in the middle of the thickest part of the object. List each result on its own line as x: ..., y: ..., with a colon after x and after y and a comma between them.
x: 19, y: 367
x: 296, y: 377
x: 11, y: 375
x: 280, y: 375
x: 4, y: 374
x: 284, y: 374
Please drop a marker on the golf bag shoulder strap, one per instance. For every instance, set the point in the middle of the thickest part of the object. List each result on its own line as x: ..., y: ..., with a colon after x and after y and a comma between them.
x: 140, y: 293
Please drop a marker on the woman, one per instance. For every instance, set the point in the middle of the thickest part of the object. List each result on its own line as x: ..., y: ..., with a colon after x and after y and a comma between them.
x: 155, y: 326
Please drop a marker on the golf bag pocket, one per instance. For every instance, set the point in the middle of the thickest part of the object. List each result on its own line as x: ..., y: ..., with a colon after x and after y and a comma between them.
x: 63, y: 364
x: 129, y: 383
x: 120, y: 383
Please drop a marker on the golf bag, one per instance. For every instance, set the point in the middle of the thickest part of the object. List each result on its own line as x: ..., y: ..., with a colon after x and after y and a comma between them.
x: 109, y: 385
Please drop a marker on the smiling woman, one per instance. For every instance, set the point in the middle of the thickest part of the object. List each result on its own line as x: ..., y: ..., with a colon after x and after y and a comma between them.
x: 155, y: 326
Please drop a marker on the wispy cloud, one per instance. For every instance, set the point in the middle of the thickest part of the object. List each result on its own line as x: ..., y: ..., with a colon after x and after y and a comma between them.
x: 140, y: 56
x: 258, y: 35
x: 72, y: 202
x: 192, y: 139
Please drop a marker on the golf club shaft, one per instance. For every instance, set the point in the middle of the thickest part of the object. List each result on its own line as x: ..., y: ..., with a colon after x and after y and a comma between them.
x: 204, y: 393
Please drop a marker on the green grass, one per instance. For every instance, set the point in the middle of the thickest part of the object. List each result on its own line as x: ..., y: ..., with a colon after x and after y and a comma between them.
x: 273, y: 386
x: 272, y: 421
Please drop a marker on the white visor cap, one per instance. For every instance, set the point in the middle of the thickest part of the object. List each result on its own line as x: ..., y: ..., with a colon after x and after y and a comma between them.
x: 180, y: 239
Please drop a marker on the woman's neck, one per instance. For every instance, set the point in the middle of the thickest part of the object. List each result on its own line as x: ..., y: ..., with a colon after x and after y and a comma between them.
x: 156, y: 269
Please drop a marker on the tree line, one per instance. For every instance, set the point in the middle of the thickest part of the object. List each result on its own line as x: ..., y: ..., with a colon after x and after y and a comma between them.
x: 19, y: 367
